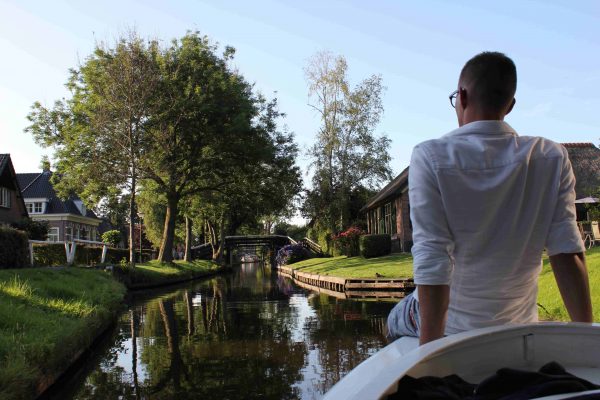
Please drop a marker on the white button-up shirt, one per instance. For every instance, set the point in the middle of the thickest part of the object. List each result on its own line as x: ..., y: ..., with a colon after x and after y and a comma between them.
x: 485, y: 203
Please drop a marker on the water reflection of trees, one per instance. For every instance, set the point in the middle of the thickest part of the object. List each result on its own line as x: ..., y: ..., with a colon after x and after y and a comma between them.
x: 219, y: 340
x: 334, y: 331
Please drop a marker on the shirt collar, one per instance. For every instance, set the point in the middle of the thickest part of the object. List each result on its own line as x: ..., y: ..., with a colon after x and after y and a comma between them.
x: 486, y: 127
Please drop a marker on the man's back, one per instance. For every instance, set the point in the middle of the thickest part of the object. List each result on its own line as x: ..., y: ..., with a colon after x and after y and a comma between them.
x: 493, y: 214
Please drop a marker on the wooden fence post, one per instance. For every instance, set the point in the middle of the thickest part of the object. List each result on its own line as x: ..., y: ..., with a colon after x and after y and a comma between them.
x: 31, y: 253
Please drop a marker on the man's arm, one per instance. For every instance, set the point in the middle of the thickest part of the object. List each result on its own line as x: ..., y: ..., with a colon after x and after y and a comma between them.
x: 571, y: 276
x: 433, y: 307
x: 433, y: 246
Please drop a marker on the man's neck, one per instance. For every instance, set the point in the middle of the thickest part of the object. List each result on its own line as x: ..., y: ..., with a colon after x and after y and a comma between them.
x: 469, y: 117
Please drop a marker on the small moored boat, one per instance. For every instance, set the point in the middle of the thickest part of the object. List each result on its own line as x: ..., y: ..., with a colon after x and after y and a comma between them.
x: 475, y: 355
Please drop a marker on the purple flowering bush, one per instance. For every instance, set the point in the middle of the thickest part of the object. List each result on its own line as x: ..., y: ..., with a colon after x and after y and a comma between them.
x: 292, y: 253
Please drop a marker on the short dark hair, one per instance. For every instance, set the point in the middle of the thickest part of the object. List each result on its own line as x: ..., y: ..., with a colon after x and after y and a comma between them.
x: 492, y: 76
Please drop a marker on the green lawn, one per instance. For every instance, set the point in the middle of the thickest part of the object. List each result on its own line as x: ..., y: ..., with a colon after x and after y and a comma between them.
x: 549, y: 296
x: 400, y: 266
x: 392, y: 266
x: 47, y: 315
x: 155, y: 273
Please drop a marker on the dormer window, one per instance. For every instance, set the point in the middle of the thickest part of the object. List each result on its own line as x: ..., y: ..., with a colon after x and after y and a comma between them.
x: 35, y: 207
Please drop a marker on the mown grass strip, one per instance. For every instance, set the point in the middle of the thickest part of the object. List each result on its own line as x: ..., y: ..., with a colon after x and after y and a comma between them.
x: 47, y: 316
x: 391, y: 266
x: 400, y: 266
x: 552, y: 307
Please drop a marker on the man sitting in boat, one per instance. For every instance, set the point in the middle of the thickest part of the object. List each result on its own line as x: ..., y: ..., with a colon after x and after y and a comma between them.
x: 485, y: 202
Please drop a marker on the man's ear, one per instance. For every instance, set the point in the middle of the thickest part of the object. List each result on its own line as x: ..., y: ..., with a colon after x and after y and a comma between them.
x: 462, y: 96
x: 512, y: 104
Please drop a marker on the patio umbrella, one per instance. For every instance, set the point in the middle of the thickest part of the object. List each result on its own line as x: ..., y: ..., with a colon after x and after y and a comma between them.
x: 587, y: 200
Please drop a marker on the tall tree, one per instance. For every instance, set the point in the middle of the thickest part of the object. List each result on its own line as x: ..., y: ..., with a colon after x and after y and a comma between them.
x: 347, y: 155
x: 99, y: 134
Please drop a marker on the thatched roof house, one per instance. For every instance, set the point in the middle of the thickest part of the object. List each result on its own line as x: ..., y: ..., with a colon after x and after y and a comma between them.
x: 585, y: 158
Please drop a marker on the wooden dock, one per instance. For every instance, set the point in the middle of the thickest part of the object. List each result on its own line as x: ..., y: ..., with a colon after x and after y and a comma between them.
x: 351, y: 288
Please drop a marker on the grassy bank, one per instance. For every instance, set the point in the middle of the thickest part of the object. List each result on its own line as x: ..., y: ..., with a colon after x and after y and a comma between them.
x: 400, y: 266
x: 47, y: 316
x: 154, y: 273
x: 549, y: 296
x: 391, y: 266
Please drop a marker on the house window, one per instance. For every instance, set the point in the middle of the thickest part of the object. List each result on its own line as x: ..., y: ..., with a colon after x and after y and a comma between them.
x: 53, y: 234
x: 4, y: 197
x: 68, y: 234
x: 34, y: 208
x: 388, y: 218
x: 83, y: 234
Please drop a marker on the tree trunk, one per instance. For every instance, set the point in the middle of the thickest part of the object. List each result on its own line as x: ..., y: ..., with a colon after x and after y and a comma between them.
x: 166, y: 246
x: 188, y: 239
x: 132, y: 217
x: 218, y: 257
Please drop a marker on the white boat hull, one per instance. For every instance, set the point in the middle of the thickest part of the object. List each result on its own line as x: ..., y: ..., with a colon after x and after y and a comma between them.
x: 475, y: 355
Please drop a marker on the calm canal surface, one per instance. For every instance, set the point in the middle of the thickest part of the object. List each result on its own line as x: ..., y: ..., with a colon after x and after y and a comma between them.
x: 251, y: 334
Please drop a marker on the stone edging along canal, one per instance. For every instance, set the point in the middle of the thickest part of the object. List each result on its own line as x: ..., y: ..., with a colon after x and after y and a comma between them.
x: 351, y: 288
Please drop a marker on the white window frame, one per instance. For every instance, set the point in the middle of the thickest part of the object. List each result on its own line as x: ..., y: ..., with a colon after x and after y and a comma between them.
x: 35, y: 207
x: 5, y: 195
x: 54, y: 234
x: 68, y: 234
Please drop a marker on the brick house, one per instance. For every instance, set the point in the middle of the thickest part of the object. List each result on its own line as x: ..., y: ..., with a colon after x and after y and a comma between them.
x: 389, y: 212
x: 12, y: 206
x: 67, y: 220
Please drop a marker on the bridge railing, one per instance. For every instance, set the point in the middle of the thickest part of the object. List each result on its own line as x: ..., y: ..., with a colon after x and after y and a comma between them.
x: 312, y: 245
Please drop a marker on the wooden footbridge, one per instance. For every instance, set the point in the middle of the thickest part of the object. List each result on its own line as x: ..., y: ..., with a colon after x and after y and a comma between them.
x: 253, y: 242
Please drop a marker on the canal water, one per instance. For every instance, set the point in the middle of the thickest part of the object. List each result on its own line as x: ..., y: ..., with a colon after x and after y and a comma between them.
x: 250, y: 334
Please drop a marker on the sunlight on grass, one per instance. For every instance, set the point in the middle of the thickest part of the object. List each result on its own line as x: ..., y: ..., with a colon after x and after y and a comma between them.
x: 16, y: 287
x: 390, y: 266
x: 41, y: 309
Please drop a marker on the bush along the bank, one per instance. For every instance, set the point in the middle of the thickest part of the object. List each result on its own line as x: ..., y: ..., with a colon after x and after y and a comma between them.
x: 53, y: 254
x: 347, y: 242
x: 375, y: 245
x: 14, y: 248
x: 292, y: 253
x: 49, y: 254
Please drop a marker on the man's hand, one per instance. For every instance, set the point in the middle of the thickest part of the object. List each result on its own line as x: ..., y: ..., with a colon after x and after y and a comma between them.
x: 433, y: 307
x: 571, y: 276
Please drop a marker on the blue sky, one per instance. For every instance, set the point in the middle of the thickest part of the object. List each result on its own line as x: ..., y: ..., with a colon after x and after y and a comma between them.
x: 418, y: 48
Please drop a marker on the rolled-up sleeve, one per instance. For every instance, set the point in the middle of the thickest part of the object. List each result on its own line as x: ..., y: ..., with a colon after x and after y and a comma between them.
x: 433, y: 243
x: 563, y: 235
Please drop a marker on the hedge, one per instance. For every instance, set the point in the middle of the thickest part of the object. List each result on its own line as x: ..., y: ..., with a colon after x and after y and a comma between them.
x: 14, y: 248
x: 48, y: 255
x: 53, y: 254
x: 375, y: 245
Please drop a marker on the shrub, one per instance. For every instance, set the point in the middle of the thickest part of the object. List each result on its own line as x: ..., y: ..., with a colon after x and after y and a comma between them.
x: 116, y: 255
x: 50, y: 254
x: 14, y: 248
x: 35, y: 230
x: 347, y: 242
x: 88, y: 255
x: 112, y: 238
x: 375, y: 245
x: 292, y: 253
